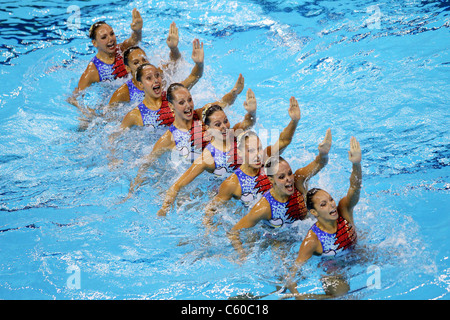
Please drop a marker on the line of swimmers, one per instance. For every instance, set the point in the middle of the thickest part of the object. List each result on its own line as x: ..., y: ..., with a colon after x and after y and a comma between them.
x: 275, y: 195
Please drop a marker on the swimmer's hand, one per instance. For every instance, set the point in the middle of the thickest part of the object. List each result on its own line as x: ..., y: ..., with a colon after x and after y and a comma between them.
x: 250, y: 102
x: 172, y: 38
x: 168, y: 201
x: 294, y: 109
x: 354, y: 155
x: 125, y: 199
x: 114, y: 163
x: 230, y: 97
x: 73, y: 101
x: 162, y: 212
x: 235, y: 240
x: 137, y: 22
x: 198, y: 55
x: 325, y: 145
x: 239, y: 86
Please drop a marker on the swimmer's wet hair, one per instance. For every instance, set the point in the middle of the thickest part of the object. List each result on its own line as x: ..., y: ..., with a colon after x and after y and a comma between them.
x: 271, y: 165
x: 127, y: 52
x: 208, y: 112
x: 93, y: 29
x: 171, y: 91
x: 309, y: 197
x: 140, y: 70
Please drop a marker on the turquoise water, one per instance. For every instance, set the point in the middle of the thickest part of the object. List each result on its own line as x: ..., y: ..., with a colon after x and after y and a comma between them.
x: 378, y: 71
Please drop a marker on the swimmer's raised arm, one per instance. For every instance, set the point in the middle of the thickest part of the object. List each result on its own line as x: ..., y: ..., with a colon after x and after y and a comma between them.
x: 172, y: 42
x: 89, y: 76
x: 302, y: 175
x: 227, y: 190
x: 260, y: 211
x: 198, y: 56
x: 132, y: 118
x: 347, y: 203
x: 202, y: 163
x: 309, y: 246
x: 165, y: 143
x: 250, y: 117
x: 136, y: 27
x: 288, y: 133
x: 229, y: 98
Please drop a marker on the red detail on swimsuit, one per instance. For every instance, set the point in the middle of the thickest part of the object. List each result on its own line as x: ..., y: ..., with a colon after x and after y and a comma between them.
x: 345, y: 234
x: 119, y: 67
x: 165, y: 114
x: 296, y: 206
x: 262, y: 182
x: 198, y: 131
x: 234, y: 159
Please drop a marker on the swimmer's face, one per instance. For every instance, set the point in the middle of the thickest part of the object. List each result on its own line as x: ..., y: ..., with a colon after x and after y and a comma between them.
x: 105, y: 39
x: 136, y: 58
x: 252, y: 152
x: 151, y: 81
x: 183, y: 105
x: 219, y: 127
x: 283, y: 180
x: 324, y: 206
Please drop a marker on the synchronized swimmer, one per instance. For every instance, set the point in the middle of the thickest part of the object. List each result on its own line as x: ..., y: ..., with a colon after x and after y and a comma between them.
x: 107, y: 64
x: 204, y: 139
x: 135, y: 56
x: 249, y: 181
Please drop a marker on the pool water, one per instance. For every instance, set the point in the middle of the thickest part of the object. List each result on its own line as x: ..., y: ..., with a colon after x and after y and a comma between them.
x: 377, y: 71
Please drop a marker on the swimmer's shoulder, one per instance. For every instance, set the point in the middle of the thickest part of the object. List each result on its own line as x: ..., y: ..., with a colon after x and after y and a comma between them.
x: 89, y: 76
x: 207, y: 160
x: 261, y: 209
x: 92, y: 70
x: 132, y: 118
x: 231, y: 187
x: 166, y: 141
x: 311, y: 243
x: 122, y: 94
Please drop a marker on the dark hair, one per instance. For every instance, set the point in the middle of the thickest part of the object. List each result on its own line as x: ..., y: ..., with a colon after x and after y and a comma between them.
x: 93, y: 29
x: 208, y: 112
x: 271, y: 163
x: 171, y: 91
x: 309, y: 197
x: 140, y: 70
x: 127, y: 52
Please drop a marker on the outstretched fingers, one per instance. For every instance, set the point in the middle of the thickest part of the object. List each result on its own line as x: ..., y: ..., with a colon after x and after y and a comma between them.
x: 325, y: 145
x: 197, y: 51
x: 239, y: 86
x: 354, y: 154
x: 137, y: 22
x: 250, y: 102
x: 294, y: 109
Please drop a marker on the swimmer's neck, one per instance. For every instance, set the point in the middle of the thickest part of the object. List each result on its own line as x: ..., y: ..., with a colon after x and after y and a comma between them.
x: 280, y: 197
x: 152, y: 103
x: 134, y: 80
x: 224, y: 145
x: 329, y: 226
x: 183, y: 124
x: 106, y: 57
x: 250, y: 171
